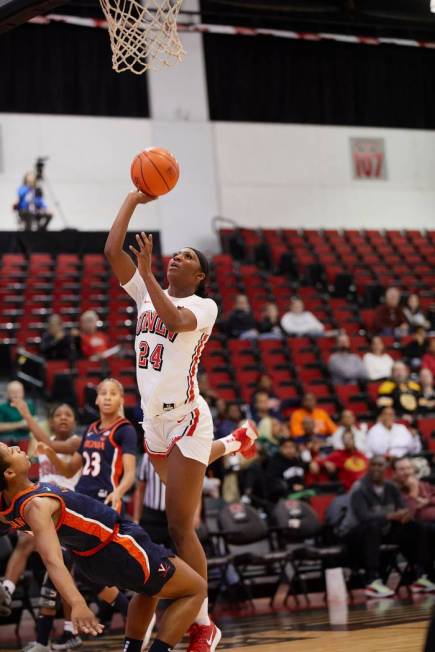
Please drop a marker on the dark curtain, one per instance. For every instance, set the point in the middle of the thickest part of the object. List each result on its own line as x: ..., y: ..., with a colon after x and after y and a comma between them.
x: 64, y: 69
x: 267, y: 79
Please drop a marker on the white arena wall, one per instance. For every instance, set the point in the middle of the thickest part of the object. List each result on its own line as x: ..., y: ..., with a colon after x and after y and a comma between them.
x: 256, y: 174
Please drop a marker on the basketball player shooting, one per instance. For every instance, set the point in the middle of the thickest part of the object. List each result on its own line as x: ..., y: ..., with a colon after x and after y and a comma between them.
x: 106, y: 549
x: 173, y: 327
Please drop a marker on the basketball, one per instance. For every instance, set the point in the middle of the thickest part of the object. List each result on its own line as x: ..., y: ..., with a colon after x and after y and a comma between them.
x: 155, y: 171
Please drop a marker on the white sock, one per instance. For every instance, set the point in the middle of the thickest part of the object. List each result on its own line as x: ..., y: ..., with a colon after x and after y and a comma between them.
x: 10, y: 586
x: 68, y: 626
x: 231, y: 444
x: 202, y: 617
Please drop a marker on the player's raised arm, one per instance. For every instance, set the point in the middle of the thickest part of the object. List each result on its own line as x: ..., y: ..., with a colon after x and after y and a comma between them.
x: 120, y: 262
x: 67, y: 447
x: 68, y: 469
x: 39, y: 514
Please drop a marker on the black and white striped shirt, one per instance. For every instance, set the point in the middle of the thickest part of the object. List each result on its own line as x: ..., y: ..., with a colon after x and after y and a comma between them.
x: 155, y: 490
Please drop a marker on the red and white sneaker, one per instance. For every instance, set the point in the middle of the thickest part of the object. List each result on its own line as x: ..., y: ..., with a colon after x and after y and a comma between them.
x: 246, y: 435
x: 203, y: 638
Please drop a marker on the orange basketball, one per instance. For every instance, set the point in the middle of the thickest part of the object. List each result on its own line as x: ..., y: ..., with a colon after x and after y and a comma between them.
x: 155, y: 171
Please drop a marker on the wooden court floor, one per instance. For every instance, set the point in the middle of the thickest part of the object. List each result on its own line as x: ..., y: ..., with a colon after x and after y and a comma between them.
x: 383, y: 626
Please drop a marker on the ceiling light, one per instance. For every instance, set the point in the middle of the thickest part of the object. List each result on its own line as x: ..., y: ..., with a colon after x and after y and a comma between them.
x: 432, y: 6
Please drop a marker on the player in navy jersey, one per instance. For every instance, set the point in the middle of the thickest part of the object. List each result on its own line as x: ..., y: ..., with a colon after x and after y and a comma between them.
x: 107, y: 454
x: 173, y: 327
x: 106, y: 549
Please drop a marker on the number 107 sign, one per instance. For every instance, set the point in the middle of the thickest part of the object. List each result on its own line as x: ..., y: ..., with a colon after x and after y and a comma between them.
x: 368, y: 158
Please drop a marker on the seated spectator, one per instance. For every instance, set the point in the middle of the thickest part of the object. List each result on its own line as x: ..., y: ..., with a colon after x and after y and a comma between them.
x: 56, y: 343
x: 241, y: 322
x: 12, y: 425
x: 400, y: 392
x: 347, y: 424
x: 344, y: 366
x: 416, y: 348
x: 265, y: 384
x: 298, y: 321
x: 391, y: 439
x: 347, y: 463
x: 418, y: 496
x: 381, y: 517
x: 389, y: 316
x: 414, y: 314
x: 324, y: 425
x: 377, y: 363
x: 228, y: 422
x: 268, y: 325
x: 285, y: 472
x: 427, y: 401
x: 92, y: 343
x: 270, y: 428
x: 428, y: 360
x: 31, y: 205
x: 252, y: 479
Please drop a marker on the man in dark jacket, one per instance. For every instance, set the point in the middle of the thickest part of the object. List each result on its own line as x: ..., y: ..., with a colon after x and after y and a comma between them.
x: 381, y: 517
x: 285, y: 472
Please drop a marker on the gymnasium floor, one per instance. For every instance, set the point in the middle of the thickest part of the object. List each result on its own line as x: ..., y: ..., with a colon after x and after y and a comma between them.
x: 376, y: 626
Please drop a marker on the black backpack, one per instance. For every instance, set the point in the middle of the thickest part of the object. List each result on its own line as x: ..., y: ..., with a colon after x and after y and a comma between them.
x: 241, y: 524
x: 296, y: 518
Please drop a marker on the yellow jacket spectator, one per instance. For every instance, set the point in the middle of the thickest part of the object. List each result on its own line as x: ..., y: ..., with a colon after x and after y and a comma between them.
x: 400, y: 392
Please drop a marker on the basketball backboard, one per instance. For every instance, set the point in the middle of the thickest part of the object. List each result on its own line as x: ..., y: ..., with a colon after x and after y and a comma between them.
x: 16, y: 12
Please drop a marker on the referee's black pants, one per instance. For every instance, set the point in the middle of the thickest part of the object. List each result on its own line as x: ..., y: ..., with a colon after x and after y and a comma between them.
x: 155, y: 523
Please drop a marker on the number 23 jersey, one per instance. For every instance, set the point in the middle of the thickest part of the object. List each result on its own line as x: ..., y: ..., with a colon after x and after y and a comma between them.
x: 102, y: 450
x: 167, y: 363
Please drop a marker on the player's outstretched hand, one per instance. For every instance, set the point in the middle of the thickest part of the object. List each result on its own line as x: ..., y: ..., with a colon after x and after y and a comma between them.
x: 114, y: 500
x: 84, y: 620
x: 42, y: 449
x: 144, y: 255
x: 140, y: 197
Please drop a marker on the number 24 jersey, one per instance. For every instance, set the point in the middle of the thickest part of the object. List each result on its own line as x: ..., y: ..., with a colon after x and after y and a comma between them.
x: 102, y: 450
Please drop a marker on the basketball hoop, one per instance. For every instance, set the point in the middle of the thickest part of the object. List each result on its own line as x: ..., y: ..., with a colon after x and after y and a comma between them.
x: 143, y: 34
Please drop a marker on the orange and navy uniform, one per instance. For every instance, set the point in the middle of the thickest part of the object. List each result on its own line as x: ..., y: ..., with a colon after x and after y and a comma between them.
x: 102, y: 450
x: 107, y: 549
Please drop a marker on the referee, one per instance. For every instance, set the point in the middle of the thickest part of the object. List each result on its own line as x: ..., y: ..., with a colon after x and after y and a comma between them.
x: 149, y: 504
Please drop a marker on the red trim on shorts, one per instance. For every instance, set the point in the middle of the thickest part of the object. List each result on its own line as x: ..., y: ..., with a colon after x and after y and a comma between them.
x: 187, y: 432
x: 194, y: 366
x: 100, y: 546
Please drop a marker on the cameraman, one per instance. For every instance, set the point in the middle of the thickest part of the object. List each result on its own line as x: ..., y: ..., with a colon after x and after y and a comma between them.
x: 31, y: 206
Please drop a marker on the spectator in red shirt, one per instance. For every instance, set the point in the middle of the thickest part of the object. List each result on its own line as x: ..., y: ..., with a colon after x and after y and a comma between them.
x: 348, y: 464
x: 93, y: 342
x: 389, y: 317
x: 428, y: 360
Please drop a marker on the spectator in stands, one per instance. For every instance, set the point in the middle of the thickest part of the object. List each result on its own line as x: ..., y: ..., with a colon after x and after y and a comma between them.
x: 347, y: 463
x: 347, y: 424
x: 56, y: 343
x: 241, y: 322
x: 381, y: 517
x: 270, y: 428
x: 298, y: 321
x: 400, y: 392
x: 285, y: 472
x: 228, y: 422
x: 12, y: 425
x: 416, y: 348
x: 418, y: 496
x: 31, y: 205
x: 389, y: 317
x: 391, y: 439
x: 427, y: 401
x: 377, y: 363
x: 268, y: 325
x: 92, y: 343
x: 265, y: 384
x: 414, y: 314
x: 428, y: 360
x: 252, y: 479
x: 344, y: 366
x: 324, y: 426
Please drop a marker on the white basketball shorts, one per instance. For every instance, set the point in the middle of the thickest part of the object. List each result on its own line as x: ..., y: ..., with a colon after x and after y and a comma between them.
x: 192, y: 433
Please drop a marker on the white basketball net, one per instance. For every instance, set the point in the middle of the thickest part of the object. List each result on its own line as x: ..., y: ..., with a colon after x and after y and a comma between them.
x: 143, y: 34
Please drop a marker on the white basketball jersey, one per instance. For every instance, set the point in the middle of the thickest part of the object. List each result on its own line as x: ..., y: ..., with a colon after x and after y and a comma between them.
x: 167, y: 363
x: 48, y: 472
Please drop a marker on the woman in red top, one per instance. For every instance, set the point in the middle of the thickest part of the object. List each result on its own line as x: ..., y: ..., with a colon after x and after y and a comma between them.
x: 349, y: 464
